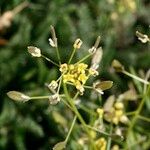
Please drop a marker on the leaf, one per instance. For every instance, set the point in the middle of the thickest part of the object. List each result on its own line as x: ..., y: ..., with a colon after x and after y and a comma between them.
x: 60, y: 146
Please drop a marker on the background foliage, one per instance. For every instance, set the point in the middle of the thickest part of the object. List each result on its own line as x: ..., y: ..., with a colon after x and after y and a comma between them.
x: 33, y: 125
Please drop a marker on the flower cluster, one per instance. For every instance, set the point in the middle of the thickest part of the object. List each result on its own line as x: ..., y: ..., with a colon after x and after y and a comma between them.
x: 116, y: 114
x: 77, y: 74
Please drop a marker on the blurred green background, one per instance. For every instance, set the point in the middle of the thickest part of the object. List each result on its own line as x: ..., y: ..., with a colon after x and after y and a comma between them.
x: 32, y: 125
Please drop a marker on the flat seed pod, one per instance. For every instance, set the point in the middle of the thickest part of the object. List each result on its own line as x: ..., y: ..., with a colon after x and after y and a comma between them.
x: 104, y: 85
x: 109, y: 103
x: 18, y: 96
x: 60, y: 146
x: 117, y: 66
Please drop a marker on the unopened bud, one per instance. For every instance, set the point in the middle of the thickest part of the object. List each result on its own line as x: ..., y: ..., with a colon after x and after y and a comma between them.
x: 100, y: 112
x: 119, y: 105
x: 34, y: 51
x: 124, y: 119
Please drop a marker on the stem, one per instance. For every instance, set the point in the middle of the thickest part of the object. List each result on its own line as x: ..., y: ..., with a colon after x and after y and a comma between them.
x: 70, y: 101
x: 67, y: 104
x: 58, y: 55
x: 137, y: 112
x: 84, y: 58
x: 135, y: 77
x: 50, y: 60
x: 101, y: 132
x: 130, y: 113
x: 72, y: 54
x: 109, y: 138
x: 70, y: 130
x: 136, y: 82
x: 39, y: 97
x: 144, y: 118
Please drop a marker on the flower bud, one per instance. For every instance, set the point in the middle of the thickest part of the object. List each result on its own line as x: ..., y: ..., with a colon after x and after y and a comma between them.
x: 124, y: 119
x: 34, y: 51
x: 100, y: 112
x: 119, y: 105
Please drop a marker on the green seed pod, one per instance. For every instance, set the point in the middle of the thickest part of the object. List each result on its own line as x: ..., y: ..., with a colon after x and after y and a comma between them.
x: 18, y: 96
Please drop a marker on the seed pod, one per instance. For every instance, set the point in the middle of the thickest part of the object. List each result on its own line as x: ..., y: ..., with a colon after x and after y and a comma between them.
x: 117, y: 66
x: 60, y: 146
x: 104, y: 85
x: 18, y: 96
x: 109, y: 103
x: 97, y: 57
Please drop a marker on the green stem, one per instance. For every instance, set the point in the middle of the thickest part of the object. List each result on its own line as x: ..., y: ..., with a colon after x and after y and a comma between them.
x: 97, y: 130
x: 71, y: 102
x: 137, y: 112
x: 144, y: 118
x: 50, y: 60
x: 109, y: 138
x: 67, y: 104
x: 130, y: 113
x: 39, y: 97
x: 84, y: 58
x: 58, y: 55
x: 135, y: 77
x: 72, y: 54
x: 72, y: 125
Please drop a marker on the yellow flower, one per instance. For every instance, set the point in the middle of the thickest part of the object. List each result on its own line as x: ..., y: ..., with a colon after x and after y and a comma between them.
x: 68, y: 77
x: 101, y: 144
x: 81, y: 67
x: 82, y: 77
